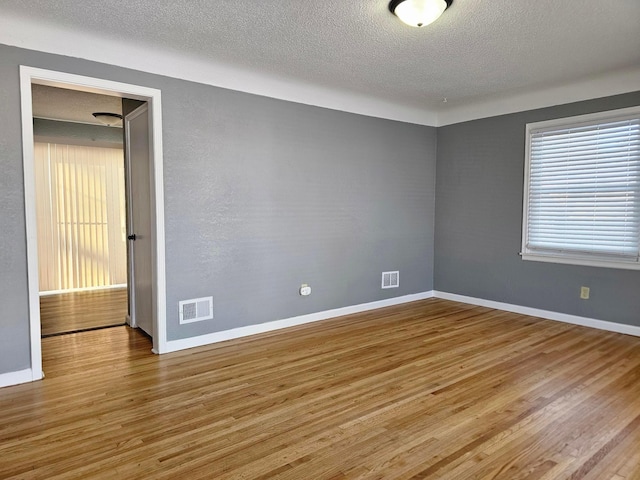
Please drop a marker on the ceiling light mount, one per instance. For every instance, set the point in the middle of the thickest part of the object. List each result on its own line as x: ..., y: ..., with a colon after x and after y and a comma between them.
x: 108, y: 118
x: 419, y: 13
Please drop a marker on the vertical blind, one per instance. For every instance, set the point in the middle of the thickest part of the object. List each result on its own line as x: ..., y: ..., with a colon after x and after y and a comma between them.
x: 584, y: 189
x: 80, y: 201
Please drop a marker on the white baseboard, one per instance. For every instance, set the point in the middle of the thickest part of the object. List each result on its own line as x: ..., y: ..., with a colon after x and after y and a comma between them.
x: 24, y: 376
x: 14, y: 378
x: 549, y: 315
x: 175, y: 345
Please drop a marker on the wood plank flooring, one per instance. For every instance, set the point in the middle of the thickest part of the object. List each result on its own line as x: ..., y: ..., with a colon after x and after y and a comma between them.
x: 71, y: 312
x: 431, y: 389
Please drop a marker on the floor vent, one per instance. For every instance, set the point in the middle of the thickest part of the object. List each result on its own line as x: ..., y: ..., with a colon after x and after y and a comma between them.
x: 196, y: 309
x: 390, y: 279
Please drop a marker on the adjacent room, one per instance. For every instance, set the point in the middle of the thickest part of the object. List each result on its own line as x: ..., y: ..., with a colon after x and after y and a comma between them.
x: 80, y: 210
x: 320, y: 240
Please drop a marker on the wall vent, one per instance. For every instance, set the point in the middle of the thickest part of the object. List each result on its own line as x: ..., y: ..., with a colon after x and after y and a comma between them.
x: 196, y: 309
x: 390, y: 279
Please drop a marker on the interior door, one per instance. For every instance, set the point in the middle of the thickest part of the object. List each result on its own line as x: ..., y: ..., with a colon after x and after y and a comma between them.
x: 137, y: 135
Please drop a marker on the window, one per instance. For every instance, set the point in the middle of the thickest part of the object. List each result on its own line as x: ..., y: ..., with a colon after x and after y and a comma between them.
x: 80, y: 212
x: 582, y: 190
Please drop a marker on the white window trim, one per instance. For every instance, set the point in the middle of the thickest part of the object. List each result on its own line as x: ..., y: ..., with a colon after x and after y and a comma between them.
x: 569, y: 258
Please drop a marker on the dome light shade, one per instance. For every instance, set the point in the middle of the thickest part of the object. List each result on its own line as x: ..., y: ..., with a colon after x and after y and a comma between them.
x: 418, y: 13
x: 109, y: 119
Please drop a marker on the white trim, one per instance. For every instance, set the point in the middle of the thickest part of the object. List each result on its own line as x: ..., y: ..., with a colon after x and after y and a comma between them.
x: 175, y: 345
x: 29, y: 75
x: 547, y: 314
x: 583, y: 261
x: 160, y: 304
x: 15, y: 378
x: 26, y: 33
x: 31, y: 225
x: 612, y: 83
x: 84, y: 289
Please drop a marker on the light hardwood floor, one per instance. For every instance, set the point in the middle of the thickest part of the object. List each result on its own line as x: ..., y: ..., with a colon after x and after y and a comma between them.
x: 70, y: 312
x: 431, y: 389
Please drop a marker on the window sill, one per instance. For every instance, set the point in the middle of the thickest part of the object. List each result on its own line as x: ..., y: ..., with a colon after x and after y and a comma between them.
x: 587, y: 262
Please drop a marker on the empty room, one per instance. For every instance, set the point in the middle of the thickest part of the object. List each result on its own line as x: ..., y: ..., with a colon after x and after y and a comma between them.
x: 348, y: 240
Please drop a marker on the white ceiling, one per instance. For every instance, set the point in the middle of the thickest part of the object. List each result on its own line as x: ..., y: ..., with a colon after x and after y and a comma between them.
x: 71, y: 105
x: 355, y: 55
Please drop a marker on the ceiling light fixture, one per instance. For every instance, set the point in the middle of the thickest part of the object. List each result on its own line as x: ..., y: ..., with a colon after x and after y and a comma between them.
x: 418, y: 13
x: 109, y: 119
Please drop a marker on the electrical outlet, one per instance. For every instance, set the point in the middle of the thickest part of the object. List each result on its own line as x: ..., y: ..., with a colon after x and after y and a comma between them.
x: 305, y: 290
x: 584, y: 293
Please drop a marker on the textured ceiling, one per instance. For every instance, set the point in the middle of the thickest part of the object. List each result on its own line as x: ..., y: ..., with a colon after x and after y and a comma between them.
x: 476, y: 50
x: 70, y: 105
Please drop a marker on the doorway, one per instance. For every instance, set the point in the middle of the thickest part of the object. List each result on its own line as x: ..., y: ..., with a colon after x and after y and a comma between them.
x: 81, y: 209
x: 156, y: 275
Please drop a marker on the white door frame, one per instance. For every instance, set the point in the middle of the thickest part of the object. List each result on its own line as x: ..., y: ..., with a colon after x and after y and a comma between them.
x: 31, y: 75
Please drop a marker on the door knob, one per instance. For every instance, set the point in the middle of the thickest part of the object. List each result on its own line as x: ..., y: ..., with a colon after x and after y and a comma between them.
x: 131, y: 237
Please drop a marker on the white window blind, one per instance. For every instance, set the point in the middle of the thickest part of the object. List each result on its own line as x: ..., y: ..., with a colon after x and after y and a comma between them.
x: 80, y: 200
x: 582, y: 197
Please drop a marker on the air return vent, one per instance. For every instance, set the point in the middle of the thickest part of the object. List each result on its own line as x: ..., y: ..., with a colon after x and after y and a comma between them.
x: 390, y: 279
x: 196, y: 309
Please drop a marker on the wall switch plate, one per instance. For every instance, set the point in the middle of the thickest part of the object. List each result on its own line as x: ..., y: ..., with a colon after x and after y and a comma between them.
x: 584, y: 293
x: 305, y: 290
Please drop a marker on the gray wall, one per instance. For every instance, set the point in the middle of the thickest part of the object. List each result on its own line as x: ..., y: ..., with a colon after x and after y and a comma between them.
x: 14, y: 332
x: 70, y: 133
x: 480, y: 174
x: 276, y: 194
x: 261, y: 195
x: 129, y: 105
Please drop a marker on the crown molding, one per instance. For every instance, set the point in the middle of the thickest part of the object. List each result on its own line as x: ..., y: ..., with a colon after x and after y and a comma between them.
x: 613, y: 83
x: 25, y: 33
